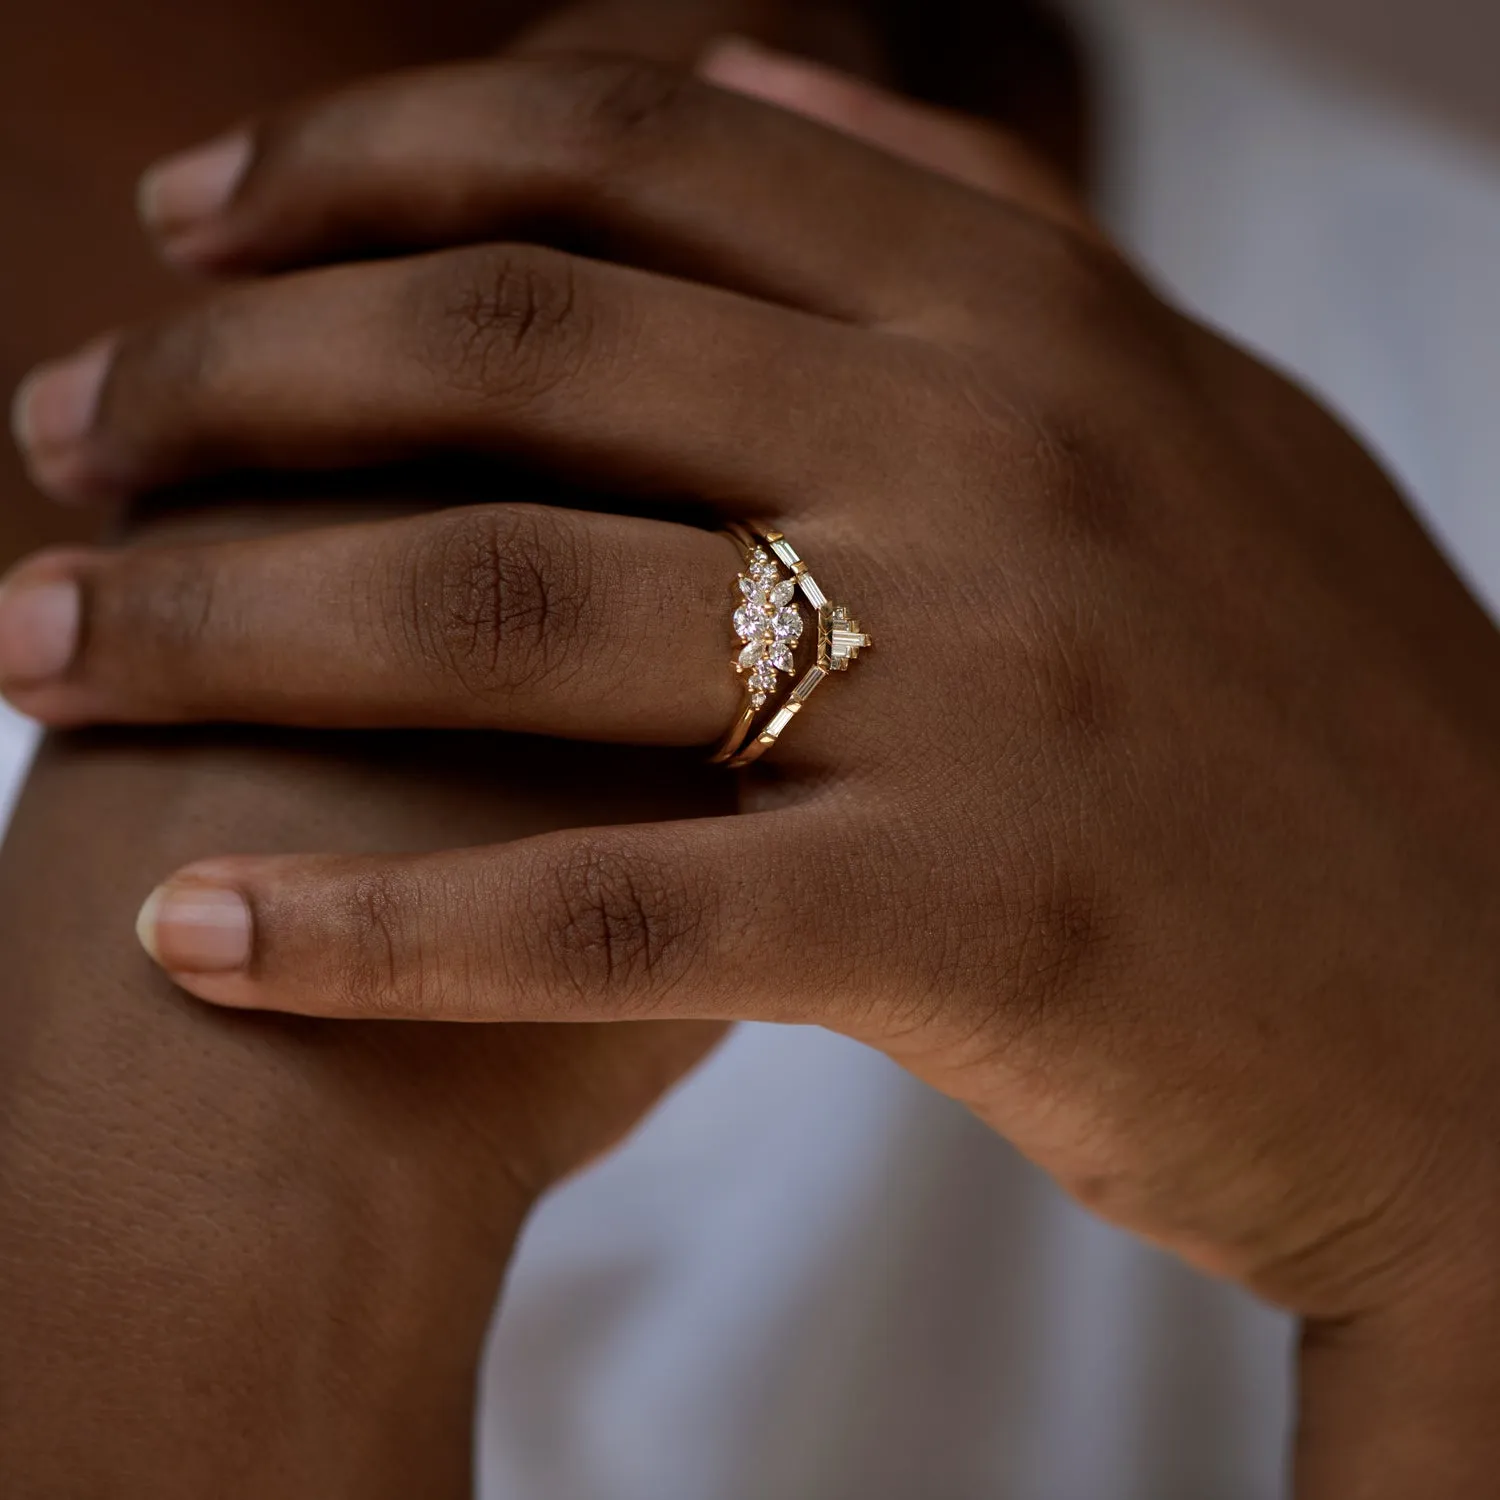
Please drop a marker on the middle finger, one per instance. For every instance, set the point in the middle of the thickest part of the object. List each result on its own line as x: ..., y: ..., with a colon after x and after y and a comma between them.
x: 609, y: 374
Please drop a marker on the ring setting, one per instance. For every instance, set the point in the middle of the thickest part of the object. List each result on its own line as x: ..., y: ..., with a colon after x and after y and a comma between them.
x: 768, y: 627
x: 768, y: 622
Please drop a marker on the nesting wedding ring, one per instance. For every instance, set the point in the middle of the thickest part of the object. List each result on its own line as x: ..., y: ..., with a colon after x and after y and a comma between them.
x: 770, y: 633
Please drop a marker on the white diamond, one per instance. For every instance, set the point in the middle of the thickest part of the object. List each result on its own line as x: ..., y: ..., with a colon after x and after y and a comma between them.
x: 750, y: 655
x: 788, y: 626
x: 781, y: 656
x: 763, y: 679
x: 750, y: 588
x: 751, y: 621
x: 758, y: 700
x: 783, y: 594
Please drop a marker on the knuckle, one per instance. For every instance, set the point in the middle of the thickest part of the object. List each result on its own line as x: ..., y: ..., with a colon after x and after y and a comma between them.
x: 616, y: 925
x: 617, y: 109
x: 500, y: 596
x: 1041, y: 449
x: 1079, y: 478
x: 509, y: 323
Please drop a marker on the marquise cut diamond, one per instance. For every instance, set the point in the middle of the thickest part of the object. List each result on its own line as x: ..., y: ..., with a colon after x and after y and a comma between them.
x: 769, y: 624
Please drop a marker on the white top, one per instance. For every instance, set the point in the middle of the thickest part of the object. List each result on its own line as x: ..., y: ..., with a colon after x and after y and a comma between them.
x: 810, y: 1278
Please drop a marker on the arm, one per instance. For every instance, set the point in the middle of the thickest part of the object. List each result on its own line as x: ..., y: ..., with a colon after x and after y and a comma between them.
x: 255, y: 1259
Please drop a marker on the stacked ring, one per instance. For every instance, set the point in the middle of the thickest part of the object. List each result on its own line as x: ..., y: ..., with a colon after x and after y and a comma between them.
x: 769, y: 626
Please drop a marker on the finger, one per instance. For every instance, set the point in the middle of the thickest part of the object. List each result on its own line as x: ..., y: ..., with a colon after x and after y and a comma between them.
x: 525, y: 618
x: 605, y: 374
x: 664, y: 921
x: 965, y: 149
x: 646, y: 164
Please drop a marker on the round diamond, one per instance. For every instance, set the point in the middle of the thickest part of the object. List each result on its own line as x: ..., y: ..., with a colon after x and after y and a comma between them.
x: 763, y: 679
x: 751, y: 621
x: 788, y: 626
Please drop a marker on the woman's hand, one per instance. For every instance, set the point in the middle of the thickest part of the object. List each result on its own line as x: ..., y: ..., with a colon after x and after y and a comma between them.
x: 1161, y: 824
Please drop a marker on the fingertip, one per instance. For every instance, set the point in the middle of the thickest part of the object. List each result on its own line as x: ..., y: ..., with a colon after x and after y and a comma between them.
x: 180, y: 200
x: 52, y: 415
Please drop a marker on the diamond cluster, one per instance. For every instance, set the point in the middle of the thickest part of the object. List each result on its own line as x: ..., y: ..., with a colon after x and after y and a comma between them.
x: 769, y: 624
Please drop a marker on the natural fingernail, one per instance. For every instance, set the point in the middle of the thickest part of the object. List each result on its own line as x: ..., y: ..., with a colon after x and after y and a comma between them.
x: 56, y: 403
x: 39, y: 630
x: 178, y: 194
x: 52, y: 414
x: 196, y: 929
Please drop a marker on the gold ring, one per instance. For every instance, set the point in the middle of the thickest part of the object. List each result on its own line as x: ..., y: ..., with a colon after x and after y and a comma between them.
x: 768, y: 626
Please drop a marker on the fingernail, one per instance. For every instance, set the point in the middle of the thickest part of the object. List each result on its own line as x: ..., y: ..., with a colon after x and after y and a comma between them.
x: 55, y: 405
x: 178, y: 194
x: 39, y: 630
x: 52, y: 414
x: 196, y: 929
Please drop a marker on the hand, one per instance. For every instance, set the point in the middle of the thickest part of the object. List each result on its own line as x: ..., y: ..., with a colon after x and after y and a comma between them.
x: 1160, y: 824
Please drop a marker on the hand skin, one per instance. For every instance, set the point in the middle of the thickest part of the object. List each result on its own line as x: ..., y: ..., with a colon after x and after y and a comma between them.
x: 1205, y: 890
x: 246, y: 1261
x: 255, y: 1259
x: 246, y: 1258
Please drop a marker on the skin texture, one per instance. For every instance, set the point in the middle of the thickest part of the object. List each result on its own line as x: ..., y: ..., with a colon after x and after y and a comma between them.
x: 1203, y: 890
x: 257, y: 1258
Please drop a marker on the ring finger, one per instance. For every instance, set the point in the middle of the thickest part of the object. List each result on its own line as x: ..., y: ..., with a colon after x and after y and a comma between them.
x: 517, y: 617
